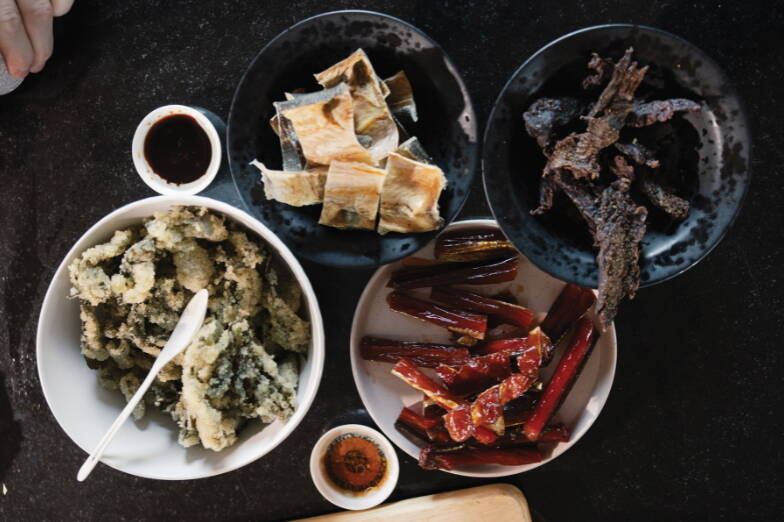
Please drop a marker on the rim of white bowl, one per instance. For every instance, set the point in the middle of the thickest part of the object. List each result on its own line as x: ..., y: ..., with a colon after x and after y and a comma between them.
x: 345, y: 500
x: 602, y: 388
x: 146, y: 172
x: 317, y: 351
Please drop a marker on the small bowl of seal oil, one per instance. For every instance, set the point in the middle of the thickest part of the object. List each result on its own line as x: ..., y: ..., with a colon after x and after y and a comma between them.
x: 177, y: 149
x: 354, y: 466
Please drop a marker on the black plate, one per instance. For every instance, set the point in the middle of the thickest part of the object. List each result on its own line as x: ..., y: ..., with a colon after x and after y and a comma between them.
x: 715, y: 168
x: 446, y: 127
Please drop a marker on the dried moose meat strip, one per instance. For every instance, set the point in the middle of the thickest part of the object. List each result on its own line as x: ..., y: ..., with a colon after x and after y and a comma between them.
x: 662, y: 195
x: 602, y: 68
x: 578, y: 153
x: 582, y: 194
x: 638, y: 153
x: 546, y: 114
x: 623, y: 171
x: 620, y: 226
x: 648, y: 113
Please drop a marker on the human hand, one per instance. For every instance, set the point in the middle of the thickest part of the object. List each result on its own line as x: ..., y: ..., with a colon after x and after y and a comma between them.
x: 26, y: 40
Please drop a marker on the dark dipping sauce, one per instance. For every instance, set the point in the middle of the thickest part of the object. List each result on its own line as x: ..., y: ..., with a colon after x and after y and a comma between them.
x: 178, y: 149
x: 355, y: 463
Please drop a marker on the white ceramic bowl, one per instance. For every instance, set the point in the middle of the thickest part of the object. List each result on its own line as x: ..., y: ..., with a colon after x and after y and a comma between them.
x: 384, y: 394
x: 148, y: 175
x: 149, y: 448
x: 344, y: 499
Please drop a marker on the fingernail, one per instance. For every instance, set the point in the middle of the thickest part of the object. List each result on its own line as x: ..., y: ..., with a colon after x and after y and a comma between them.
x: 36, y: 68
x: 17, y: 73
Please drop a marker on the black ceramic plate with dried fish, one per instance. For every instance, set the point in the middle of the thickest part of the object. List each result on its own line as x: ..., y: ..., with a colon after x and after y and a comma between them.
x: 708, y: 162
x: 445, y: 126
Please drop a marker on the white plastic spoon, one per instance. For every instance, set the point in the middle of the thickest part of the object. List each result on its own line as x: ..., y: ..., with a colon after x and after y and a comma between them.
x: 187, y: 327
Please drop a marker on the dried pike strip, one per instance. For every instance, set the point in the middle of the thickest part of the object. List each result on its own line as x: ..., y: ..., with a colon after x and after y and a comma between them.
x: 476, y: 374
x: 412, y: 149
x: 563, y: 378
x: 547, y: 114
x: 578, y: 153
x: 458, y: 424
x: 298, y: 188
x: 453, y: 319
x: 620, y: 226
x: 472, y: 302
x: 570, y: 305
x: 323, y: 122
x: 432, y: 458
x: 413, y: 376
x: 638, y: 153
x: 351, y: 195
x: 426, y: 355
x: 479, y: 273
x: 662, y: 195
x: 409, y: 199
x: 472, y: 245
x: 371, y: 114
x: 401, y: 97
x: 275, y: 120
x: 648, y: 113
x: 290, y: 146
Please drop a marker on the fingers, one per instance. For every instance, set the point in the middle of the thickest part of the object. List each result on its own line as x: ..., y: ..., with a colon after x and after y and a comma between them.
x: 37, y: 18
x: 60, y: 7
x: 14, y: 44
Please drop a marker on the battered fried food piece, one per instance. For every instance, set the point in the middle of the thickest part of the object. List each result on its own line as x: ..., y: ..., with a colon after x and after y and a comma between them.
x: 242, y: 365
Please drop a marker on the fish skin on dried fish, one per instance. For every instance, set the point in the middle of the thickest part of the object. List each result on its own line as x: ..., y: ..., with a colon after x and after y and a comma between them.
x: 372, y: 116
x: 323, y: 122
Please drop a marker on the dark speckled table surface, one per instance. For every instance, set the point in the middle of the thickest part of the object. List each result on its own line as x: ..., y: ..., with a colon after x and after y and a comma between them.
x: 692, y: 427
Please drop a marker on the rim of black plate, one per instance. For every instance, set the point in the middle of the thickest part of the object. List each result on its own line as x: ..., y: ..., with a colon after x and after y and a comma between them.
x: 729, y: 86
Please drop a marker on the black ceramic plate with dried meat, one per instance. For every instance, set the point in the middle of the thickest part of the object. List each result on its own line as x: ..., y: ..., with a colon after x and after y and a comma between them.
x: 446, y: 126
x: 711, y: 154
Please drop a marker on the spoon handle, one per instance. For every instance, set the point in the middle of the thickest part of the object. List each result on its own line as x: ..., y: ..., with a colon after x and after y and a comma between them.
x: 188, y: 325
x: 93, y: 459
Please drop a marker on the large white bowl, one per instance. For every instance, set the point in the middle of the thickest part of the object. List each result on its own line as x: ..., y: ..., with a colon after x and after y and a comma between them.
x: 384, y: 394
x: 149, y: 448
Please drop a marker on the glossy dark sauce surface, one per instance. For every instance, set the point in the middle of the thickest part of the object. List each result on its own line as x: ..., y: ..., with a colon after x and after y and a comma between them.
x: 178, y: 149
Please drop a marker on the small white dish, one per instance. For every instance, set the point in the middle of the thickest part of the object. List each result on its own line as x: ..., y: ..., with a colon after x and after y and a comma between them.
x: 148, y: 175
x: 344, y: 499
x: 384, y: 395
x: 149, y: 448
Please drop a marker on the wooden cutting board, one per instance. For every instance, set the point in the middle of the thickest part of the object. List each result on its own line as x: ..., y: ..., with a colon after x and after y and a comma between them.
x: 497, y: 502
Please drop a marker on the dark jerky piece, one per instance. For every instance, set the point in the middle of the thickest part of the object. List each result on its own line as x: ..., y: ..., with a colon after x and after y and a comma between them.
x: 581, y: 192
x: 546, y: 114
x: 638, y: 153
x: 547, y: 190
x: 662, y: 195
x: 620, y: 226
x: 578, y: 153
x: 648, y: 113
x: 602, y: 68
x: 623, y: 171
